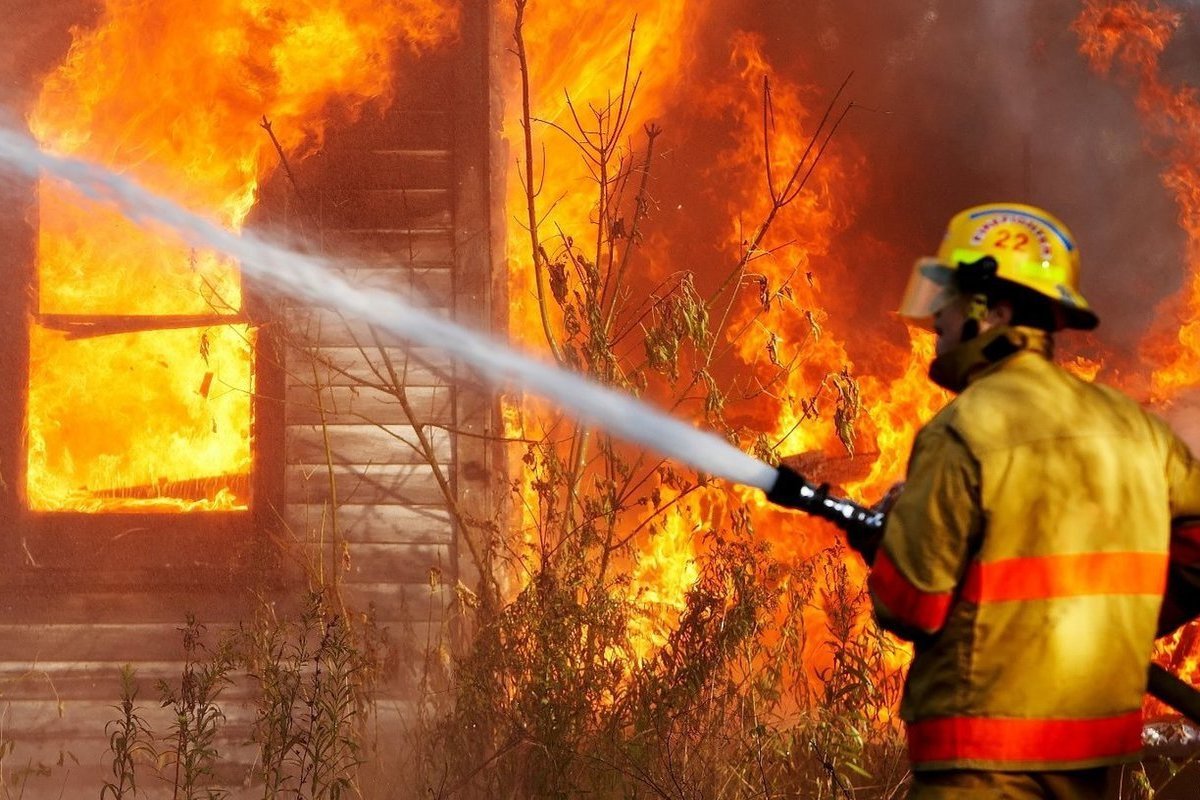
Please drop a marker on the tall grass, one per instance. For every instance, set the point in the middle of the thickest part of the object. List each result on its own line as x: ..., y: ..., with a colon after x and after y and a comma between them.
x: 310, y: 681
x: 769, y: 681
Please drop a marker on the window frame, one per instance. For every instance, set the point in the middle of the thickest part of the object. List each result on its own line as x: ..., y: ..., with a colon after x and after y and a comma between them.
x: 71, y: 549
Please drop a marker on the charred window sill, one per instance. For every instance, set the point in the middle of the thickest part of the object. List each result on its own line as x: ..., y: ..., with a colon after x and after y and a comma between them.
x: 75, y: 550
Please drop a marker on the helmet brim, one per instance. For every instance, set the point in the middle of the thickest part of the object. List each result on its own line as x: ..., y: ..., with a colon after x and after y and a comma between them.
x: 1080, y: 319
x: 930, y: 289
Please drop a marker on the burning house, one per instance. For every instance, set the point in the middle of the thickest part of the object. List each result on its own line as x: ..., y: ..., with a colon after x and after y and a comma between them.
x: 179, y: 441
x: 700, y: 219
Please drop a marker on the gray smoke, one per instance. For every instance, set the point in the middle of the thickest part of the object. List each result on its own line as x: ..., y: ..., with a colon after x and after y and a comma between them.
x: 978, y: 102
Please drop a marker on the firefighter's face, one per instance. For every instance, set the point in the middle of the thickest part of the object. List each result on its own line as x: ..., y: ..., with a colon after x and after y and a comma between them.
x: 950, y: 319
x: 948, y: 324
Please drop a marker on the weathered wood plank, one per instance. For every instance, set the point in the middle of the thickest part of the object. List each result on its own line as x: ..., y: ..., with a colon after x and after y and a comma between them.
x: 412, y: 249
x: 38, y: 732
x: 71, y: 760
x: 35, y: 607
x: 68, y: 763
x: 101, y: 680
x: 127, y: 642
x: 388, y: 209
x: 363, y: 444
x: 339, y: 405
x: 377, y: 524
x: 31, y: 722
x: 399, y: 605
x: 388, y: 484
x: 83, y: 719
x: 346, y: 366
x: 321, y: 328
x: 431, y: 282
x: 398, y: 563
x: 401, y: 128
x: 389, y: 169
x: 479, y: 234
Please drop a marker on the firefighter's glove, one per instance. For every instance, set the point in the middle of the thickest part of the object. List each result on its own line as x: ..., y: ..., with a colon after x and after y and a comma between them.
x: 888, y: 500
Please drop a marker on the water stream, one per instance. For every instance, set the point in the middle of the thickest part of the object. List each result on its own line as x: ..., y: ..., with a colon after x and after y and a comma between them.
x: 314, y: 279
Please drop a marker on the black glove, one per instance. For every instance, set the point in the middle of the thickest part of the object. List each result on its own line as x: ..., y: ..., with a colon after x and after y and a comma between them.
x: 863, y: 526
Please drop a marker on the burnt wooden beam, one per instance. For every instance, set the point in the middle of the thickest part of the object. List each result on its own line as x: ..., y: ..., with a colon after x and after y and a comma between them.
x: 88, y: 326
x: 188, y: 490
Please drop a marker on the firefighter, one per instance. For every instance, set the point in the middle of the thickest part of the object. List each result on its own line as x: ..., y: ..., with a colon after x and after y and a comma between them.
x: 1026, y: 554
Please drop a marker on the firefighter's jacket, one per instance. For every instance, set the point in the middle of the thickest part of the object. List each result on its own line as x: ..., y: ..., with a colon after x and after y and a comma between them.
x: 1027, y: 558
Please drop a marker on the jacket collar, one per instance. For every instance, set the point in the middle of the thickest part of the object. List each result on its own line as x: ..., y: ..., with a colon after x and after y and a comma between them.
x: 970, y: 360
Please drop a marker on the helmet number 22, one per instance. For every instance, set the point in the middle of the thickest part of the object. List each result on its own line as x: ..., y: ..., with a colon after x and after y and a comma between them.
x: 1006, y: 240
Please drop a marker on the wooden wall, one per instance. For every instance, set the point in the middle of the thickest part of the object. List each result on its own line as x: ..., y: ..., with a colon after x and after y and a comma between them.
x: 368, y: 449
x: 355, y: 493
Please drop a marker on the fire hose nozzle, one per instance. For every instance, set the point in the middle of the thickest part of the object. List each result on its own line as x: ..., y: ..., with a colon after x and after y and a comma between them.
x: 791, y: 490
x: 863, y: 526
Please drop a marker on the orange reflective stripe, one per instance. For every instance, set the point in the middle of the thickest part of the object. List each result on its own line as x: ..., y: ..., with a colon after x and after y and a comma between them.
x: 1042, y: 577
x: 1016, y: 740
x: 910, y: 605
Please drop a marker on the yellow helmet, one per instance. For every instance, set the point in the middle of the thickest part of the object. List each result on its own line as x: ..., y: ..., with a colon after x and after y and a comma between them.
x: 1030, y: 247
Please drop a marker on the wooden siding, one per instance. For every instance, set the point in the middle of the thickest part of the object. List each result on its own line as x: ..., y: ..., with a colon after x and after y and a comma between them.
x: 369, y: 450
x: 348, y: 481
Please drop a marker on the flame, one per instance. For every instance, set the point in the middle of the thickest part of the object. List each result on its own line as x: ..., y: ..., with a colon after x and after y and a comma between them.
x: 585, y: 79
x: 1130, y: 36
x: 879, y: 403
x: 580, y: 79
x: 786, y: 309
x: 130, y: 414
x: 664, y: 571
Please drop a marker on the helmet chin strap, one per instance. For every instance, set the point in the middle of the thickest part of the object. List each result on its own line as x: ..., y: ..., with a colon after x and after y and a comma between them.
x: 976, y: 313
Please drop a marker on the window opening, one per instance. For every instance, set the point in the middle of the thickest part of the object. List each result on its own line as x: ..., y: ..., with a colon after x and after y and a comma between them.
x: 140, y: 370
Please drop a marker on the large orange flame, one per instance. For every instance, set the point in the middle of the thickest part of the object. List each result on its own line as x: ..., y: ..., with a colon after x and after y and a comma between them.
x: 783, y: 310
x: 1130, y: 36
x: 131, y: 413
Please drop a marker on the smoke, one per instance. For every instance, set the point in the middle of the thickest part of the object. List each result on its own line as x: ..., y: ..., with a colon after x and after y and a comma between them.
x: 965, y: 103
x: 36, y: 34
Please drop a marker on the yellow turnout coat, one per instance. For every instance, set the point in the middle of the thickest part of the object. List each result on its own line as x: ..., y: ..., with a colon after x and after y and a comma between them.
x: 1027, y: 559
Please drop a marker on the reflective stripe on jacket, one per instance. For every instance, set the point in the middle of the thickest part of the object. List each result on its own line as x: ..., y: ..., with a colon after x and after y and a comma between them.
x: 1027, y: 559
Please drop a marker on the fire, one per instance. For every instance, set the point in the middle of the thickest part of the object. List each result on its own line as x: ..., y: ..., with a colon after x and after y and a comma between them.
x: 897, y: 410
x: 1130, y: 36
x: 141, y: 351
x: 588, y: 76
x: 663, y: 573
x: 591, y: 69
x: 876, y: 406
x: 785, y: 310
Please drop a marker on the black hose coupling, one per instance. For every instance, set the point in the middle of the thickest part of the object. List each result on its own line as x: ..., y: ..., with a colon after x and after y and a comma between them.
x: 791, y: 490
x: 863, y: 526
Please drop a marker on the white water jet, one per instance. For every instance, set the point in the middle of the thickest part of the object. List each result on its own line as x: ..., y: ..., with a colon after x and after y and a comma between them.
x: 314, y: 280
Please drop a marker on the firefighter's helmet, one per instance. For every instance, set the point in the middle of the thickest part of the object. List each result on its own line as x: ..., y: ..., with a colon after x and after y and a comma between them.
x: 1020, y: 244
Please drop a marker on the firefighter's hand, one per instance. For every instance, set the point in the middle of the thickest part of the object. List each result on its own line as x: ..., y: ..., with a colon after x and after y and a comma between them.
x: 888, y: 500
